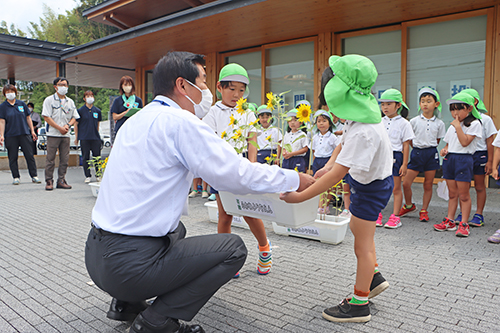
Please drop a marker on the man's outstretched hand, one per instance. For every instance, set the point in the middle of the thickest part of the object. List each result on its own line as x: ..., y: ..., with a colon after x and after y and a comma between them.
x: 305, y: 181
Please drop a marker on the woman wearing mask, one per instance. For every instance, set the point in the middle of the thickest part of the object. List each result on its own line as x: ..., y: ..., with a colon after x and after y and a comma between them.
x: 16, y: 130
x: 87, y: 131
x: 127, y: 101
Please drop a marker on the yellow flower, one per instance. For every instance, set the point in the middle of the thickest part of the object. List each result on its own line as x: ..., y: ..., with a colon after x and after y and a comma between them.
x: 241, y: 105
x: 296, y: 169
x: 269, y: 138
x: 272, y: 102
x: 232, y: 121
x: 267, y: 158
x: 223, y: 135
x: 254, y: 122
x: 304, y: 113
x: 274, y: 155
x: 237, y: 134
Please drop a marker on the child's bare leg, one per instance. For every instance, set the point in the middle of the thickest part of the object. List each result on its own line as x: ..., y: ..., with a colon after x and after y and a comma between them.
x: 364, y: 248
x: 428, y: 182
x: 224, y: 224
x: 453, y: 198
x: 480, y: 192
x: 409, y: 178
x: 347, y: 196
x: 464, y: 197
x: 257, y: 228
x: 398, y: 195
x: 205, y: 185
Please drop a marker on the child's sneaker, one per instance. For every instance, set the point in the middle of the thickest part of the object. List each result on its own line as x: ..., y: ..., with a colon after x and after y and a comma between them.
x: 477, y: 220
x: 193, y: 194
x: 423, y: 216
x: 212, y: 197
x: 265, y: 260
x: 495, y: 238
x: 379, y: 284
x: 379, y: 220
x: 345, y: 213
x: 325, y: 210
x: 459, y: 218
x: 16, y: 181
x: 404, y: 210
x: 446, y: 224
x: 346, y: 312
x: 204, y: 194
x: 394, y: 222
x: 463, y: 230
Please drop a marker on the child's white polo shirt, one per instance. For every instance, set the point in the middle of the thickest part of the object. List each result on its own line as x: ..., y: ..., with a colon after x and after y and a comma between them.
x: 324, y: 145
x: 427, y: 131
x: 269, y: 138
x: 399, y: 130
x: 489, y: 129
x: 496, y: 142
x: 454, y: 145
x: 298, y: 140
x: 367, y: 151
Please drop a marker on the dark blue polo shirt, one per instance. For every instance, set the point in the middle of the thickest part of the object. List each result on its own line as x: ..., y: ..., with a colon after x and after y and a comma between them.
x: 15, y: 118
x: 88, y: 123
x: 118, y: 107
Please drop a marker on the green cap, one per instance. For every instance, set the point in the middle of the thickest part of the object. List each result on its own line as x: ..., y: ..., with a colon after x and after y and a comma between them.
x: 429, y: 90
x: 394, y: 95
x: 463, y: 97
x: 324, y: 113
x: 252, y: 107
x: 480, y: 105
x: 236, y: 73
x: 263, y: 109
x: 348, y: 94
x: 304, y: 101
x: 292, y: 113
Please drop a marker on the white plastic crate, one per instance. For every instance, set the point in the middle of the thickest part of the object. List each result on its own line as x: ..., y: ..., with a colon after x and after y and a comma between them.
x: 213, y: 215
x: 332, y: 230
x: 95, y: 188
x: 269, y: 207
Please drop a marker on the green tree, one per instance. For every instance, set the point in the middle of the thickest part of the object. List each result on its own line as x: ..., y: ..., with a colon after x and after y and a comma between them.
x: 4, y: 29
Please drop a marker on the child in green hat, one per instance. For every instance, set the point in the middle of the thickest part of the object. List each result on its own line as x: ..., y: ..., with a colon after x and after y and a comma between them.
x: 401, y: 134
x: 365, y: 155
x: 231, y: 87
x: 270, y: 138
x: 483, y: 159
x: 297, y: 141
x: 429, y: 130
x: 461, y: 142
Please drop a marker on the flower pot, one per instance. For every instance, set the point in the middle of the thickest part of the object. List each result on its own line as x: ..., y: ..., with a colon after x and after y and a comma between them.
x: 269, y: 207
x: 331, y: 230
x: 213, y: 214
x: 95, y: 188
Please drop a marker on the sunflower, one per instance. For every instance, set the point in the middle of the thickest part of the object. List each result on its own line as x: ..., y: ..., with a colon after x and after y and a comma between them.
x: 223, y: 135
x: 272, y: 100
x: 232, y: 121
x: 268, y: 158
x: 304, y: 113
x: 241, y: 105
x: 269, y: 138
x: 254, y: 122
x: 237, y: 135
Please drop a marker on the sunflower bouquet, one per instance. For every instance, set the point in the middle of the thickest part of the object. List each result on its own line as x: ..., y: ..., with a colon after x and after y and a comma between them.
x: 99, y: 165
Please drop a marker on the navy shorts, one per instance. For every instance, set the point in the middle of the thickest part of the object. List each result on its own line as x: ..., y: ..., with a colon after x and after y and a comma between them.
x: 397, y: 162
x: 480, y: 158
x: 262, y: 154
x: 458, y: 167
x: 367, y: 201
x: 318, y: 163
x: 424, y: 159
x: 298, y: 162
x: 498, y: 181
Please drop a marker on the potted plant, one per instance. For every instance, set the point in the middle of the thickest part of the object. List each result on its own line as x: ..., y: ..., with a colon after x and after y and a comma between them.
x: 99, y: 165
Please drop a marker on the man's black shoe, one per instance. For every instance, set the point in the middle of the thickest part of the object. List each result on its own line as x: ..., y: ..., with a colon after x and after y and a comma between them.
x: 379, y: 284
x: 125, y: 311
x: 140, y: 325
x: 346, y: 312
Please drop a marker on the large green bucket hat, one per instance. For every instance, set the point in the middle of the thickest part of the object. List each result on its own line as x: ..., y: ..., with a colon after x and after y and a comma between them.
x: 237, y: 73
x: 480, y: 105
x: 428, y: 90
x: 348, y: 94
x: 463, y: 97
x: 394, y: 95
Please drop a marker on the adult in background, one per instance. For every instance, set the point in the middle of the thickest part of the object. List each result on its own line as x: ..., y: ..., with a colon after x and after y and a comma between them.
x: 137, y: 248
x: 16, y: 130
x: 37, y: 123
x: 87, y: 131
x: 125, y: 102
x: 60, y: 114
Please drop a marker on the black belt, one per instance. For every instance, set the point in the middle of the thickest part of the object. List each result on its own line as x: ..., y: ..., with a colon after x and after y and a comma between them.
x: 101, y: 232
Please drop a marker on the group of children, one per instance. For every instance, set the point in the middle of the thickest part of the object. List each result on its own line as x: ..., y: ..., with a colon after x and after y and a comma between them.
x: 357, y: 150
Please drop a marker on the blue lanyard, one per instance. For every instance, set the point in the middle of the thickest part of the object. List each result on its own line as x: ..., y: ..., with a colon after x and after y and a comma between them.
x: 161, y: 102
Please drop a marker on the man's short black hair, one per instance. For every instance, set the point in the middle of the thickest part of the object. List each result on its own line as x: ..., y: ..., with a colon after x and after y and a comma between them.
x: 60, y: 78
x: 31, y: 104
x: 172, y: 66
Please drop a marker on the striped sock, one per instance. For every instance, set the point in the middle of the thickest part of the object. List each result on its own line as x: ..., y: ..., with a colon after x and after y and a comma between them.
x: 360, y: 297
x: 376, y: 268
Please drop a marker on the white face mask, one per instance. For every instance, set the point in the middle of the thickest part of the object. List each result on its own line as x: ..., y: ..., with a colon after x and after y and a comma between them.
x: 10, y: 96
x: 90, y: 100
x: 31, y: 109
x: 62, y: 90
x: 127, y: 89
x: 201, y: 110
